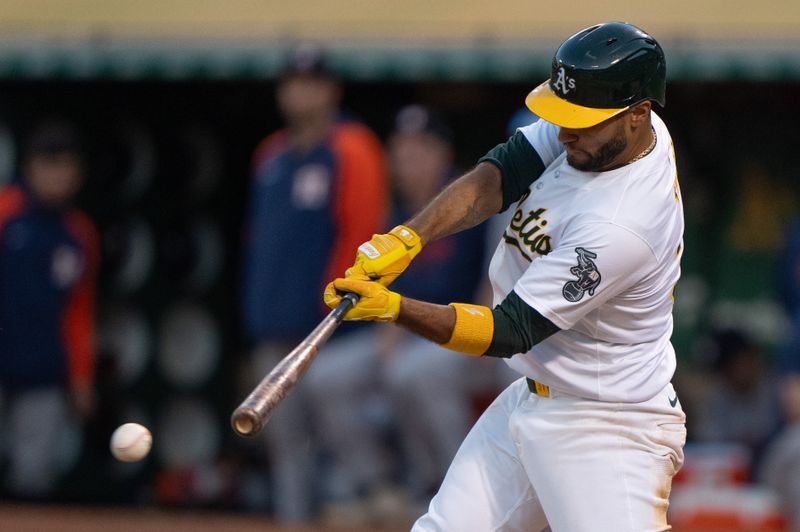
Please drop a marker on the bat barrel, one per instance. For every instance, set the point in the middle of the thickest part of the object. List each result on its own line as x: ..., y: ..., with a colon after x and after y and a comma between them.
x: 253, y: 413
x: 251, y: 416
x: 246, y: 422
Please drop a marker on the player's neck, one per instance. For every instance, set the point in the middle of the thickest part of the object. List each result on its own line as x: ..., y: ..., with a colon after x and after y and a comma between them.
x: 643, y: 145
x: 307, y: 134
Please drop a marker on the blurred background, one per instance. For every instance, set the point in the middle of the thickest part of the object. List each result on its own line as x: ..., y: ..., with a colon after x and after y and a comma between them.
x: 165, y: 107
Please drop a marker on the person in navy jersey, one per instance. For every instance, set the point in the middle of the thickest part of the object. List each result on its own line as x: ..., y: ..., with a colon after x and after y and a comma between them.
x: 424, y: 390
x: 318, y: 189
x: 49, y: 255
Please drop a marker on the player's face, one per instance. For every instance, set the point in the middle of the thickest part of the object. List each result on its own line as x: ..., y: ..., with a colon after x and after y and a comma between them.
x: 597, y: 148
x: 303, y: 98
x: 54, y: 179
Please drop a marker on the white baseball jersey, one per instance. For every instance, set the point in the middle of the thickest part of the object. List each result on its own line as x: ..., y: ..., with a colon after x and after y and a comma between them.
x: 598, y: 254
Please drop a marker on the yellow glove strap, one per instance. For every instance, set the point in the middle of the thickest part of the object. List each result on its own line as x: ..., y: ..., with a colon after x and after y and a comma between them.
x: 473, y: 331
x: 409, y: 237
x: 385, y: 256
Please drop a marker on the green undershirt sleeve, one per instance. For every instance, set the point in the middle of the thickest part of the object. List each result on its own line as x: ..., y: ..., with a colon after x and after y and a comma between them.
x: 517, y: 328
x: 519, y: 165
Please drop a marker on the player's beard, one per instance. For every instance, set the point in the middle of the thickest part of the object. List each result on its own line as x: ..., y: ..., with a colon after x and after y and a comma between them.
x: 603, y: 157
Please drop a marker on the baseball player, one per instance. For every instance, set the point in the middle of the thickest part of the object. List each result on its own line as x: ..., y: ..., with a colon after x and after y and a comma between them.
x: 591, y: 435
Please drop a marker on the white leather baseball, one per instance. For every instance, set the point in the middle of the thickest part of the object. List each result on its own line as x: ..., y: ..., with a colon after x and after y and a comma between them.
x: 131, y: 442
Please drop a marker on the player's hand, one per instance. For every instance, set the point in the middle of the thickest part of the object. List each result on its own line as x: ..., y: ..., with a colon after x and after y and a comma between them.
x: 385, y: 256
x: 377, y: 302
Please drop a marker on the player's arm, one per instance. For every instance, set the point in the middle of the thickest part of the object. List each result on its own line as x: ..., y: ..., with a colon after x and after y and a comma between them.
x: 501, y: 177
x: 464, y: 203
x: 510, y: 328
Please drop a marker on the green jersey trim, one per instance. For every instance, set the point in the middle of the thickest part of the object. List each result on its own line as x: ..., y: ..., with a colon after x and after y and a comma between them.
x: 519, y: 164
x: 517, y: 327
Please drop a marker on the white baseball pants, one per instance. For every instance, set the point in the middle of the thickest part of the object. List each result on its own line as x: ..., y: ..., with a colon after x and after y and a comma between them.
x: 574, y: 464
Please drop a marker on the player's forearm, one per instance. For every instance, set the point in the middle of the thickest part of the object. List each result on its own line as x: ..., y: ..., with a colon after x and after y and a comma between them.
x: 465, y: 203
x: 511, y: 327
x: 431, y: 321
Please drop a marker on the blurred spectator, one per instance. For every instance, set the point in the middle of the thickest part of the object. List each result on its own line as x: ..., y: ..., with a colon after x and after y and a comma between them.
x: 49, y: 255
x: 318, y: 190
x: 741, y: 405
x: 428, y: 390
x: 781, y: 464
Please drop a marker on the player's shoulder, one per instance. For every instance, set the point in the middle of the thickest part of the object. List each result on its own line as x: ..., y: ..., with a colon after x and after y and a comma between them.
x: 543, y: 137
x: 353, y: 141
x: 663, y: 135
x: 657, y: 121
x: 646, y: 209
x: 270, y: 146
x: 351, y: 133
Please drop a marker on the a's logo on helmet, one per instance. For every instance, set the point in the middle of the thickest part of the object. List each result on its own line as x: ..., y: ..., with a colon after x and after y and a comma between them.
x: 587, y: 274
x: 563, y: 82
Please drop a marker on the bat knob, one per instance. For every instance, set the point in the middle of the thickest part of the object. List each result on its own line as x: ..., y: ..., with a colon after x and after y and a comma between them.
x: 245, y: 422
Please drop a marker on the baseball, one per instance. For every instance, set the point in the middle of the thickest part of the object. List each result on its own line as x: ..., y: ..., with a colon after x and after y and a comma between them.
x: 131, y: 442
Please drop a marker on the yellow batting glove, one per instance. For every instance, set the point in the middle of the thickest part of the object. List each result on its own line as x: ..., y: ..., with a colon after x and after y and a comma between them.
x: 377, y: 302
x: 385, y: 256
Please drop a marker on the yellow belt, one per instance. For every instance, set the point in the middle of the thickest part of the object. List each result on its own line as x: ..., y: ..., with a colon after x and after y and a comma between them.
x: 542, y: 390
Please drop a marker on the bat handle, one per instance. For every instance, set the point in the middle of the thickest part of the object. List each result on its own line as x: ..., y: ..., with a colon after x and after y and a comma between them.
x: 349, y: 299
x: 323, y: 331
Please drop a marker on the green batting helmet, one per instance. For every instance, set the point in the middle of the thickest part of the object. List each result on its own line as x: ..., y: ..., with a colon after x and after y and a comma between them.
x: 598, y: 73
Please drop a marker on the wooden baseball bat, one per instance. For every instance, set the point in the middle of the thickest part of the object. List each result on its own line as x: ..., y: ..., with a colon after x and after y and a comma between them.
x: 251, y: 416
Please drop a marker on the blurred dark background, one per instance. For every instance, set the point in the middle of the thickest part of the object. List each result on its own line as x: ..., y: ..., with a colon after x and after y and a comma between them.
x: 170, y: 132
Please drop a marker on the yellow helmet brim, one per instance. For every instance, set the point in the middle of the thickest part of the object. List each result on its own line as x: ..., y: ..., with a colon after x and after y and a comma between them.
x: 543, y: 102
